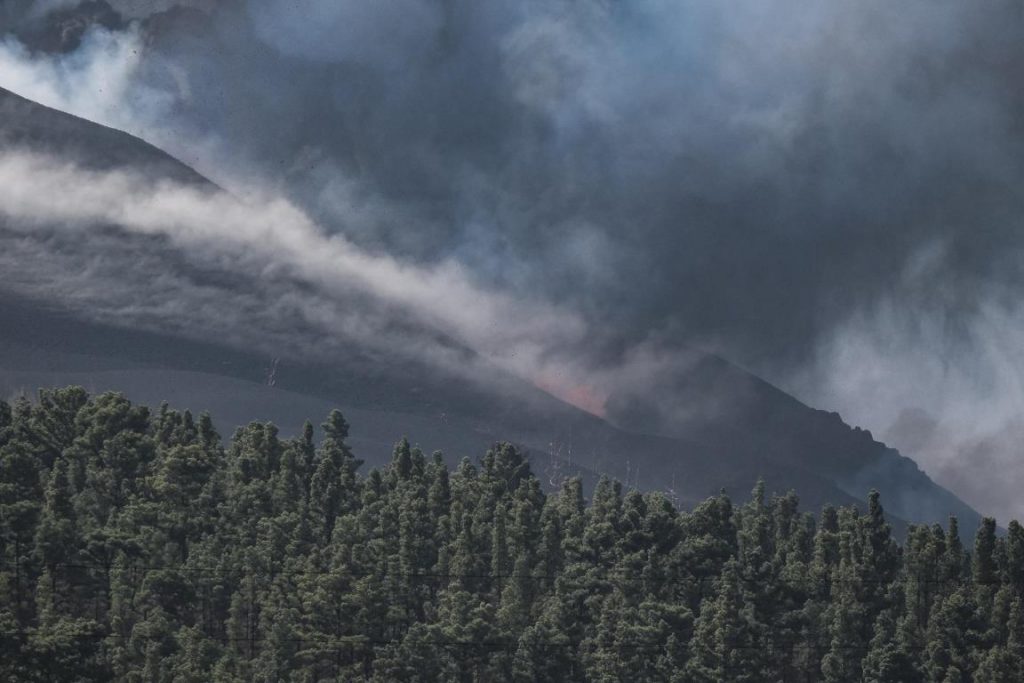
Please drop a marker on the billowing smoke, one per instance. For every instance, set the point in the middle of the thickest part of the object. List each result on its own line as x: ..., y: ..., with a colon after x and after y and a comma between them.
x: 827, y: 193
x: 935, y: 368
x: 338, y: 290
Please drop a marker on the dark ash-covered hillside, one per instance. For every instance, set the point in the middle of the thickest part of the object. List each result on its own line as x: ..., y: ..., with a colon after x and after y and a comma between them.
x: 738, y: 427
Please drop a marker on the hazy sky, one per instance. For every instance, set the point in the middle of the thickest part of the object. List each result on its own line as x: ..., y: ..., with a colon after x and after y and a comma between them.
x: 828, y: 193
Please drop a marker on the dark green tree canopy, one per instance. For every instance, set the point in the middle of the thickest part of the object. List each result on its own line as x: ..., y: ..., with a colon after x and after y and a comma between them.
x: 136, y: 546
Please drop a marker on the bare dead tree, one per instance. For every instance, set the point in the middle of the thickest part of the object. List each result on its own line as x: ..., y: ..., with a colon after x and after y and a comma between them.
x: 271, y: 373
x: 671, y: 492
x: 554, y: 470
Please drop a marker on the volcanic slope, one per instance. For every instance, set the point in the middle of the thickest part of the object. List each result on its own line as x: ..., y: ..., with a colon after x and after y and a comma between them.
x: 755, y: 431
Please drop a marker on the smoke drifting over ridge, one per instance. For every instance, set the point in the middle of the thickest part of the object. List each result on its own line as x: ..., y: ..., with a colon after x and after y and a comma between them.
x: 337, y: 290
x: 829, y: 193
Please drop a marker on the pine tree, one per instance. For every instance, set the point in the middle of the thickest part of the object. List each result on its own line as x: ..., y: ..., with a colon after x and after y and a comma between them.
x: 846, y: 615
x: 728, y: 643
x: 333, y: 487
x: 56, y: 534
x: 891, y: 655
x: 983, y: 562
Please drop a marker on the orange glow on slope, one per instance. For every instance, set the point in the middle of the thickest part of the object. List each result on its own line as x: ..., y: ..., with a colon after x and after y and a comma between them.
x: 582, y: 396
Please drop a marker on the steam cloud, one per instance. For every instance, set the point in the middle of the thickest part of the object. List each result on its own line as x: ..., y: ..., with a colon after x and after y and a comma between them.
x: 828, y: 193
x: 277, y: 242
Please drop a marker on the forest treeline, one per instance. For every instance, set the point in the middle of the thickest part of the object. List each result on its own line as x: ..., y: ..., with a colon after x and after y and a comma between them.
x: 136, y: 546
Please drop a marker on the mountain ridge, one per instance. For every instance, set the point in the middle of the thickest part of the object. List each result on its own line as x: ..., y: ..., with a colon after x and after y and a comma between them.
x: 763, y: 433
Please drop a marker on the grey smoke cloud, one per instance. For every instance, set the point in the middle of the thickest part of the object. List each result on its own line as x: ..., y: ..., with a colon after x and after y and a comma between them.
x: 275, y: 239
x: 935, y: 368
x: 92, y: 83
x: 828, y: 193
x: 259, y: 273
x: 349, y: 31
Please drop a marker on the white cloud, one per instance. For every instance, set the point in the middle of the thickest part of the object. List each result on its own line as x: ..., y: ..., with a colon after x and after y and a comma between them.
x: 93, y: 82
x: 272, y: 238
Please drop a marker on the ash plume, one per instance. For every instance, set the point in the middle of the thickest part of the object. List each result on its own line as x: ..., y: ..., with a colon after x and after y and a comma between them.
x: 826, y: 193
